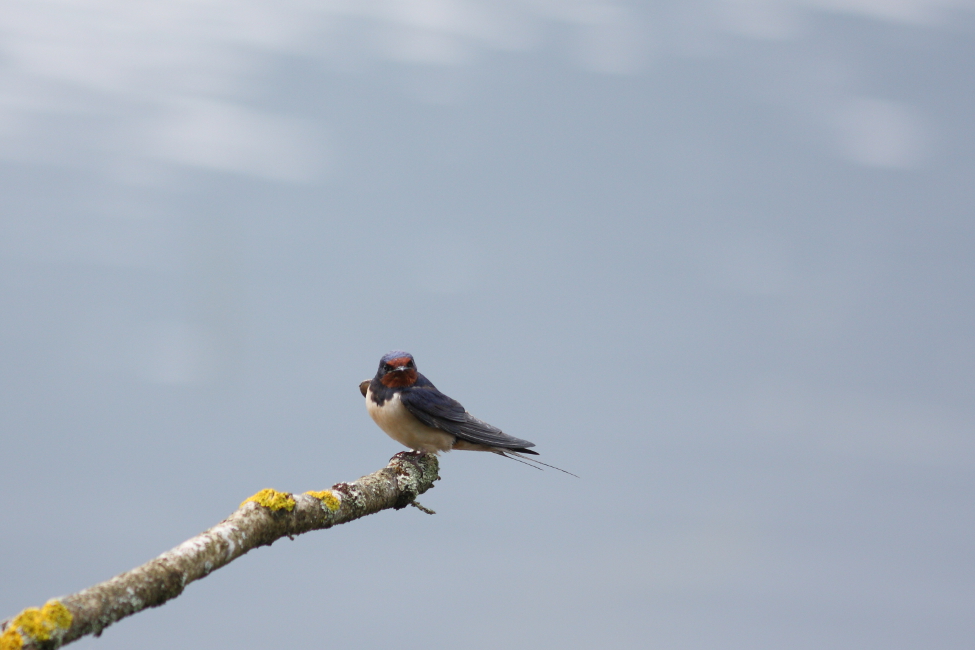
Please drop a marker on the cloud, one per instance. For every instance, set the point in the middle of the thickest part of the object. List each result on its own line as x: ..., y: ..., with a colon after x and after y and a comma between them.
x: 175, y: 82
x: 918, y: 12
x: 760, y: 19
x: 87, y: 78
x: 878, y: 133
x: 226, y: 137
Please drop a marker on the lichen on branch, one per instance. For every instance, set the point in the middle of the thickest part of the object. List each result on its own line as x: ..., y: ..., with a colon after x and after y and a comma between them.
x: 261, y: 520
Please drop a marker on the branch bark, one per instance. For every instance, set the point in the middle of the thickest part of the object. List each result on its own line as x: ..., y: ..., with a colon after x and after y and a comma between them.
x: 260, y: 521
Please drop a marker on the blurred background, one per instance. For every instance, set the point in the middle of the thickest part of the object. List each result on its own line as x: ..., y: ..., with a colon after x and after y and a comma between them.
x: 715, y: 257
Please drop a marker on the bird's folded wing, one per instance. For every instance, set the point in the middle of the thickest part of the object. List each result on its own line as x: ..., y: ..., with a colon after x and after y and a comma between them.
x: 434, y: 409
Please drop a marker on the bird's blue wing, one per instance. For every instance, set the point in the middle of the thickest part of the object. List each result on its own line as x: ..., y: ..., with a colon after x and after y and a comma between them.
x: 434, y: 409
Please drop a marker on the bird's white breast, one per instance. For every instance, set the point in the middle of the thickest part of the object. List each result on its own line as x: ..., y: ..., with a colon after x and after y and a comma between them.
x: 403, y: 427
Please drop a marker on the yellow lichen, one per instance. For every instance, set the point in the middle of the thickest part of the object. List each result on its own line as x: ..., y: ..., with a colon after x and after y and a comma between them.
x: 30, y: 623
x: 272, y: 499
x: 56, y: 615
x: 328, y: 498
x: 38, y: 624
x: 11, y: 639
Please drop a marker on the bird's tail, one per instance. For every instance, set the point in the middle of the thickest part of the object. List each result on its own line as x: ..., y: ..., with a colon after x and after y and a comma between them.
x: 521, y: 458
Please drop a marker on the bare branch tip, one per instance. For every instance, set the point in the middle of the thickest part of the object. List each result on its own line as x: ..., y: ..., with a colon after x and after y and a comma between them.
x: 422, y: 508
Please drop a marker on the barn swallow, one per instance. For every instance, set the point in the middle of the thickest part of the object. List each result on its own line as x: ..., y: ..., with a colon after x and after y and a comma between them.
x: 410, y: 409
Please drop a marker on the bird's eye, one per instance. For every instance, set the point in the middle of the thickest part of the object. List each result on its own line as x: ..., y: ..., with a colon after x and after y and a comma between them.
x: 387, y: 367
x: 411, y: 364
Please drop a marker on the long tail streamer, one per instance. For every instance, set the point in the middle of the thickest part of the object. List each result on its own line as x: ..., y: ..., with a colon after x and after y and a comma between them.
x: 528, y: 461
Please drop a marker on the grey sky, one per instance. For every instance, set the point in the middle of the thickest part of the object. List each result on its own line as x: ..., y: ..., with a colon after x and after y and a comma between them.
x: 713, y: 257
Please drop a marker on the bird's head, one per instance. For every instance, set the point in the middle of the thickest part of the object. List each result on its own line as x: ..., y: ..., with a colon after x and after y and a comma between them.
x: 397, y: 369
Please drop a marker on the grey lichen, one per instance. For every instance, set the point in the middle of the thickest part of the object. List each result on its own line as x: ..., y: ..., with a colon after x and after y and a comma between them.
x: 262, y: 519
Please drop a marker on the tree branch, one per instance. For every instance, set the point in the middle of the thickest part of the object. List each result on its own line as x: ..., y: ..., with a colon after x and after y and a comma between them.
x: 261, y: 520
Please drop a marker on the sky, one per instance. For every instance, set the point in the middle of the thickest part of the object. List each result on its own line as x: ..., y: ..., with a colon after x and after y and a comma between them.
x: 714, y: 257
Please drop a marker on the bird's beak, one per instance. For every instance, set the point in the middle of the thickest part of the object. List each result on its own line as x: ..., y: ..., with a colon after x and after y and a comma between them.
x: 400, y: 369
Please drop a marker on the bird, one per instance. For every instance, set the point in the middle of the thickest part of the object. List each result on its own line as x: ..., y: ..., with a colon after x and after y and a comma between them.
x: 410, y: 409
